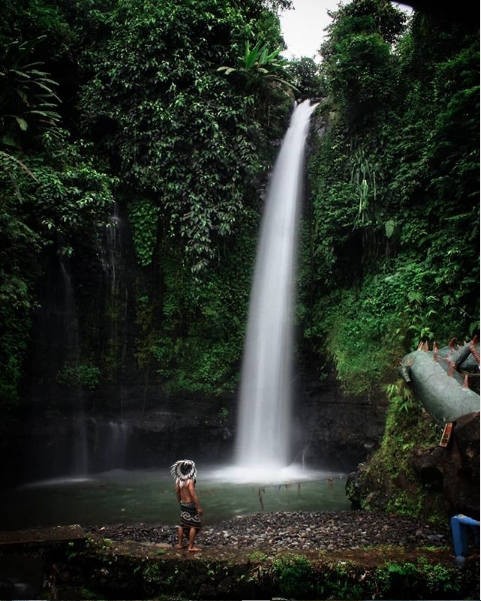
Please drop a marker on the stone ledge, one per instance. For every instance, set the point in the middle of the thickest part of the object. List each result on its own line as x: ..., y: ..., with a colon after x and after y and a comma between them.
x: 41, y: 536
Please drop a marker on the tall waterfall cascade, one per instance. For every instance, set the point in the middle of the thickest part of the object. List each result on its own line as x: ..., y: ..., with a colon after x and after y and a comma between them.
x: 264, y: 436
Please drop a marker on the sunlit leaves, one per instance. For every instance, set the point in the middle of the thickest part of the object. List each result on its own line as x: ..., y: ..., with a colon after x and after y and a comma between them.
x: 259, y: 65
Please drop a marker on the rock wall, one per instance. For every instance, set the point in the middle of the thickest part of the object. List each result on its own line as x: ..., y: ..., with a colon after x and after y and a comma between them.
x: 330, y: 431
x: 455, y: 469
x: 338, y: 430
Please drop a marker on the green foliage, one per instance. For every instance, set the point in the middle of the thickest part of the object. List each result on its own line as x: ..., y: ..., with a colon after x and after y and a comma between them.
x: 361, y: 90
x: 144, y: 216
x: 79, y: 375
x: 361, y: 69
x: 400, y: 394
x: 27, y: 99
x: 51, y: 193
x: 65, y: 194
x: 305, y: 74
x: 294, y: 573
x: 184, y: 136
x: 196, y: 365
x: 428, y: 579
x: 394, y: 241
x: 198, y: 343
x: 259, y: 65
x: 16, y: 301
x: 391, y: 233
x: 223, y: 414
x: 388, y: 480
x: 441, y: 578
x: 358, y: 329
x: 364, y: 16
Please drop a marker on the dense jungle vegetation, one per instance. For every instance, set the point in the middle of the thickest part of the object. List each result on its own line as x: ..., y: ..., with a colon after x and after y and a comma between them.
x: 174, y: 110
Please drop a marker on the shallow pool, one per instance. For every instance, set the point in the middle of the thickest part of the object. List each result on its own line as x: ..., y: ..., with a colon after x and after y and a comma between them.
x: 147, y: 496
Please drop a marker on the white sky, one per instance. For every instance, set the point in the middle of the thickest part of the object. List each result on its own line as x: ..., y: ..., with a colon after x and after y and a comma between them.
x: 303, y: 27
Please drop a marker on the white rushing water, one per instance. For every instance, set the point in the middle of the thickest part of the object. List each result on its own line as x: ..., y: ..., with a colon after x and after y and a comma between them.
x: 263, y: 443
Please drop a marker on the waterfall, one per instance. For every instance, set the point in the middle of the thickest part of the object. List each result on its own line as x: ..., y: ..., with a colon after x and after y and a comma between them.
x: 116, y: 299
x: 68, y: 313
x: 113, y: 249
x: 265, y: 413
x: 79, y: 465
x: 110, y: 439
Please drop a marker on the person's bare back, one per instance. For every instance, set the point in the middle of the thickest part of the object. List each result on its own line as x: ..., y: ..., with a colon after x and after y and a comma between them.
x: 187, y: 494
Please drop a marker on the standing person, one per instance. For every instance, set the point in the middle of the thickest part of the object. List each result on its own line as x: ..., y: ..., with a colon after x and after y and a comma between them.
x: 185, y: 474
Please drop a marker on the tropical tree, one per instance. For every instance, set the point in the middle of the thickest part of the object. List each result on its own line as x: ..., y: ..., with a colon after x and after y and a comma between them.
x: 180, y: 133
x: 49, y: 193
x: 258, y: 65
x: 28, y: 104
x: 306, y: 76
x: 394, y: 224
x: 360, y: 64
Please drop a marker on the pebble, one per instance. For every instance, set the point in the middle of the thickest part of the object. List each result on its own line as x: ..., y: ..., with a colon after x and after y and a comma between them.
x: 296, y: 531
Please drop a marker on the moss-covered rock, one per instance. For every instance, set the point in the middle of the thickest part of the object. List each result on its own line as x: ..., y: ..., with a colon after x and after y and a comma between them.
x: 411, y: 474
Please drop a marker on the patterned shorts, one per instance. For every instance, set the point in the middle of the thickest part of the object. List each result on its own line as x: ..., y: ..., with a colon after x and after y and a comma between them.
x: 189, y: 518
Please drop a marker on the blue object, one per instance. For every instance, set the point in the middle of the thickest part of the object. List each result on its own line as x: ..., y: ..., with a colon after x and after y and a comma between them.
x: 460, y: 527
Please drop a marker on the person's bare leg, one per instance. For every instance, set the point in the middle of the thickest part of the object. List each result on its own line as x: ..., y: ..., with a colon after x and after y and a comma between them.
x: 180, y: 535
x: 192, y: 535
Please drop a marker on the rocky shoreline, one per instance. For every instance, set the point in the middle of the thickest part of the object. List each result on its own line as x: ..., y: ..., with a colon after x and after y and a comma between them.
x: 308, y: 555
x: 296, y: 531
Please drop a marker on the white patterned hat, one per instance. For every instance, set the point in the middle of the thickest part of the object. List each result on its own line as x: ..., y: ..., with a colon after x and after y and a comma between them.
x: 184, y: 470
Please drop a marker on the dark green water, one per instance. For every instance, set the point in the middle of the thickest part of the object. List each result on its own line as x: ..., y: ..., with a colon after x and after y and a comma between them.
x: 147, y: 496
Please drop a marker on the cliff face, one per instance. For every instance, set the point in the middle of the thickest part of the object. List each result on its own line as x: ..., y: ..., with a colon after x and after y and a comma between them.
x: 339, y: 429
x: 91, y: 401
x: 91, y: 434
x: 454, y: 469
